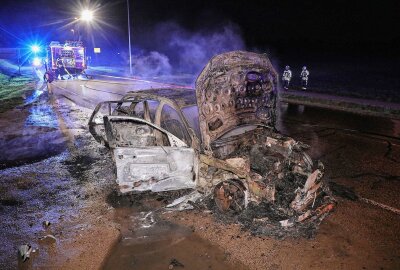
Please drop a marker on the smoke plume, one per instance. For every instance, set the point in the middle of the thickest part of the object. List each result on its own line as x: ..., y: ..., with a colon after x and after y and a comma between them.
x: 171, y: 48
x: 151, y: 64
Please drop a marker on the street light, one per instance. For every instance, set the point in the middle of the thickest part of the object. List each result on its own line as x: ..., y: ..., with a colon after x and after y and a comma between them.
x: 87, y: 15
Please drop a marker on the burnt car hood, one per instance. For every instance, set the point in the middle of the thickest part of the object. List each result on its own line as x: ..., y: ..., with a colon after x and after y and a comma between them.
x: 235, y: 89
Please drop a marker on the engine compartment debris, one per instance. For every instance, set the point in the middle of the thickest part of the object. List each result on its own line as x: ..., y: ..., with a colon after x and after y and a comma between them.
x: 239, y: 166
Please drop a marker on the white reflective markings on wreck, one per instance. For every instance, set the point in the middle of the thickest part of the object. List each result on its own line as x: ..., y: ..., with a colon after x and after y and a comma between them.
x: 154, y: 168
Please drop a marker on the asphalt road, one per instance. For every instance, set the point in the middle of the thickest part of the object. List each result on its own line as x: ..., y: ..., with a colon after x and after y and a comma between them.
x: 342, y: 103
x: 360, y: 152
x: 88, y: 93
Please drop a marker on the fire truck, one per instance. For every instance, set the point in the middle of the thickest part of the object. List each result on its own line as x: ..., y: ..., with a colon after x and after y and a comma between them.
x: 72, y: 55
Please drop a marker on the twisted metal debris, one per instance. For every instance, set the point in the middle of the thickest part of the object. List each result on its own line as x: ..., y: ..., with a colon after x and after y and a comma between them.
x: 253, y: 174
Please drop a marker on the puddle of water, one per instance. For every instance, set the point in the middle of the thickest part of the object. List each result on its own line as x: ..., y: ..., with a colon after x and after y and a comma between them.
x: 35, y: 134
x: 39, y: 90
x: 42, y: 115
x: 150, y: 243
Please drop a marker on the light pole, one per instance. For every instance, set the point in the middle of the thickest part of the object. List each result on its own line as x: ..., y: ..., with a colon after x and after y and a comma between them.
x: 129, y: 38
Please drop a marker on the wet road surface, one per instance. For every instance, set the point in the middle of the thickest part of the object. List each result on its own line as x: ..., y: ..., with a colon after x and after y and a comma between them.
x: 88, y: 93
x: 33, y: 131
x: 150, y: 242
x: 361, y: 152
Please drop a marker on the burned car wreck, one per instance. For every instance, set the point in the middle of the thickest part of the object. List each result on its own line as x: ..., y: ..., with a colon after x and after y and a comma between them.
x: 229, y: 154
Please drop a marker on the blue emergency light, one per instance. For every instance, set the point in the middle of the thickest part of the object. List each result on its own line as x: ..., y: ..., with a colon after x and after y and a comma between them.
x: 35, y: 48
x: 37, y: 61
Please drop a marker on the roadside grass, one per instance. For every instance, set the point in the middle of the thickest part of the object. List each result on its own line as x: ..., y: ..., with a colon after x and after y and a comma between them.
x: 13, y: 89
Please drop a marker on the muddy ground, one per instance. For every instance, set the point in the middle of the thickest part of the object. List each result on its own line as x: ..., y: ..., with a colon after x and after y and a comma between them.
x: 73, y: 189
x: 67, y: 189
x: 361, y: 154
x: 53, y: 170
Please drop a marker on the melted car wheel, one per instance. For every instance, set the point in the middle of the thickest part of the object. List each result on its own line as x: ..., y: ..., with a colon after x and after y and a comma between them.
x: 229, y: 197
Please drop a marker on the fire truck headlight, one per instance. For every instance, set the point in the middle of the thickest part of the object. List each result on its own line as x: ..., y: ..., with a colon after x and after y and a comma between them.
x: 37, y: 61
x: 35, y: 48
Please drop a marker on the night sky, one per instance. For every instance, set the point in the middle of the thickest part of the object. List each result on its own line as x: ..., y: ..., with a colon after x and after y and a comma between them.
x: 280, y: 26
x: 290, y: 25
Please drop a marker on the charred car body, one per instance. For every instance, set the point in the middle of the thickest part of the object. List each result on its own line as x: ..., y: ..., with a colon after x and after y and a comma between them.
x: 231, y: 154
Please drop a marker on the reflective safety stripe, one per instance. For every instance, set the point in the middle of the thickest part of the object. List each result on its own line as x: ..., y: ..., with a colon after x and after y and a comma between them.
x: 304, y: 74
x: 287, y: 74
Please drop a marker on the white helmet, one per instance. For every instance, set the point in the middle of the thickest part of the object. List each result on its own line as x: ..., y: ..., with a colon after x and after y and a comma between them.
x: 304, y: 68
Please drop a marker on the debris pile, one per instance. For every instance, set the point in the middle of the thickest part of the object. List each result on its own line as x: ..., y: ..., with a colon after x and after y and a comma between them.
x: 248, y: 171
x: 270, y: 185
x: 264, y: 180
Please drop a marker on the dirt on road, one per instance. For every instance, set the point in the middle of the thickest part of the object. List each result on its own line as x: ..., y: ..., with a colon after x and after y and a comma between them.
x: 362, y: 155
x: 67, y: 189
x: 73, y: 190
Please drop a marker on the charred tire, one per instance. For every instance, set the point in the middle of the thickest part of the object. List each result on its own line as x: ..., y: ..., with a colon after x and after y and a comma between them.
x: 229, y: 197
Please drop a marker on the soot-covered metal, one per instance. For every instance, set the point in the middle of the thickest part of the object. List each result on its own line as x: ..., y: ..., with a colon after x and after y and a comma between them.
x: 241, y: 167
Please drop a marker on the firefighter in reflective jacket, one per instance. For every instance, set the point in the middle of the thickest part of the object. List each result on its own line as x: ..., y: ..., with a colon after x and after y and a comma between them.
x: 304, y: 77
x: 286, y: 77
